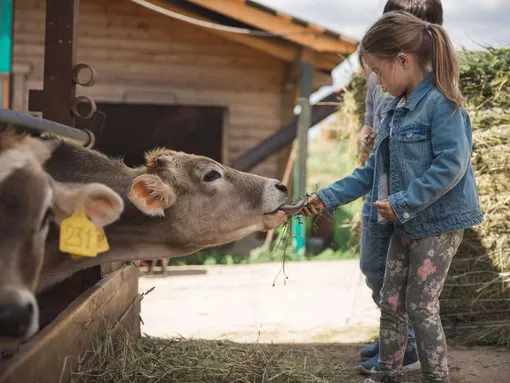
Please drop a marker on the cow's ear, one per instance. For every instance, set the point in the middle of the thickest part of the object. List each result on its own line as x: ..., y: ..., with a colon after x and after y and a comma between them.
x: 151, y: 195
x: 102, y: 205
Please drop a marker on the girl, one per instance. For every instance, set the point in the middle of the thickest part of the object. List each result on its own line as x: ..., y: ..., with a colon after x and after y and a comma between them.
x: 423, y: 186
x: 374, y: 249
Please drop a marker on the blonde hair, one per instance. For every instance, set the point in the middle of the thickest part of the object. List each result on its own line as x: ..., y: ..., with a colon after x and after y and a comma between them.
x: 400, y: 31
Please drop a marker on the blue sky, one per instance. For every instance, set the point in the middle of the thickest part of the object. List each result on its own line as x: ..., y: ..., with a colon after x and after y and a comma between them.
x: 470, y: 23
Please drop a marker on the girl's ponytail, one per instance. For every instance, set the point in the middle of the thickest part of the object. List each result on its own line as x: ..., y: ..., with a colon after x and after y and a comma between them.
x: 445, y: 64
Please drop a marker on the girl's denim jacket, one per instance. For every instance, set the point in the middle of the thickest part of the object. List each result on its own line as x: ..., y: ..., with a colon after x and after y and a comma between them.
x: 427, y: 156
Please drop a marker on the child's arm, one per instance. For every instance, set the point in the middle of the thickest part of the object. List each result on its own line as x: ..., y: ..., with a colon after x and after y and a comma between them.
x: 349, y: 188
x: 369, y: 117
x: 369, y: 101
x: 451, y: 150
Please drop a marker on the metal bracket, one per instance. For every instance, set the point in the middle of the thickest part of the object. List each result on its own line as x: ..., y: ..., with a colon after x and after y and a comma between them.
x: 83, y: 100
x: 84, y: 75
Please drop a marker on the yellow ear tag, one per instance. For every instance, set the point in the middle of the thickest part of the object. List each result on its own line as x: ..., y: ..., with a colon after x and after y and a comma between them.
x: 78, y: 236
x: 102, y: 242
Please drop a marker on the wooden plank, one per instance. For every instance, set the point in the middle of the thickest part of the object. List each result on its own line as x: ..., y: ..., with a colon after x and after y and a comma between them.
x: 281, y: 49
x: 321, y: 79
x: 250, y: 132
x: 156, y: 62
x: 127, y: 325
x: 127, y: 21
x: 154, y: 49
x: 108, y: 268
x: 266, y: 21
x: 225, y: 139
x: 289, y: 101
x: 19, y: 86
x: 130, y: 320
x: 57, y: 298
x: 55, y: 349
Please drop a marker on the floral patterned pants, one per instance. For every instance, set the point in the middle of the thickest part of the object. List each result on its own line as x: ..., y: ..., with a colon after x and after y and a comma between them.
x: 415, y: 274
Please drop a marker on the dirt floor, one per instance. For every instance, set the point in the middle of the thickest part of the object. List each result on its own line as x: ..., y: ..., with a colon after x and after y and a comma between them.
x: 466, y: 365
x: 324, y: 312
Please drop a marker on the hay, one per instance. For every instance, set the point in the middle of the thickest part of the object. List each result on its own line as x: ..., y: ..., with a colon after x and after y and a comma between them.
x: 475, y: 303
x: 118, y: 357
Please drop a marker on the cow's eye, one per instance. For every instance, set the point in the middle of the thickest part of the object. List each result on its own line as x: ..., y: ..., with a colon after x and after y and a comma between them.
x: 211, y: 176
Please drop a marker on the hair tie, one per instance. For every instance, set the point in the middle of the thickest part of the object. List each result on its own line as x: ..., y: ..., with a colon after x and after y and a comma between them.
x: 427, y: 25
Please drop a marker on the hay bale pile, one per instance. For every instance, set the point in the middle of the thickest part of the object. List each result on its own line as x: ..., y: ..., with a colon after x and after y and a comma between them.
x: 475, y: 303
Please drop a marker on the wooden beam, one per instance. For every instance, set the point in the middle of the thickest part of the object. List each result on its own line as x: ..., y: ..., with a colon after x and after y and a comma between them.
x: 321, y: 79
x: 284, y: 51
x: 53, y: 353
x: 286, y: 134
x: 289, y: 101
x: 59, y: 89
x: 279, y: 48
x: 273, y: 23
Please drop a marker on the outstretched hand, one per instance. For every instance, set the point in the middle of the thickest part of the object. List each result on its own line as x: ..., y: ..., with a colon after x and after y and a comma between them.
x: 313, y: 207
x: 365, y: 142
x: 385, y: 209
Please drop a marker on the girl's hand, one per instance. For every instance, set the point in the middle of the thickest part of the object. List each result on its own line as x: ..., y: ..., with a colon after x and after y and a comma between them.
x: 365, y: 141
x: 386, y: 210
x: 313, y: 207
x: 362, y: 136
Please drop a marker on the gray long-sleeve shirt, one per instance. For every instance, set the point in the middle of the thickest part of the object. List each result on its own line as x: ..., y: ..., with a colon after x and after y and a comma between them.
x: 376, y: 103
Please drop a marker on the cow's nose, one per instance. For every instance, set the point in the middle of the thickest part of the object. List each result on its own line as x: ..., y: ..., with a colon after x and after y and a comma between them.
x: 15, y: 319
x: 281, y: 187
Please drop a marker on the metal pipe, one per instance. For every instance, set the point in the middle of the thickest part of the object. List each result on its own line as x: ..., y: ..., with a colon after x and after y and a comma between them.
x: 285, y: 135
x: 37, y: 126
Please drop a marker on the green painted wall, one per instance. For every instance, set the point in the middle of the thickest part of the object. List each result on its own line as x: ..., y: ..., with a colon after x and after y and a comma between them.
x: 5, y: 36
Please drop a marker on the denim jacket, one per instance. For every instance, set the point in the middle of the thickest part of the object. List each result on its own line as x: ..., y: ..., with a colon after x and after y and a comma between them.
x: 427, y: 157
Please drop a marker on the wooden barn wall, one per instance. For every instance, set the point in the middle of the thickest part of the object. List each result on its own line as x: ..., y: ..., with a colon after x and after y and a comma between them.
x: 141, y: 56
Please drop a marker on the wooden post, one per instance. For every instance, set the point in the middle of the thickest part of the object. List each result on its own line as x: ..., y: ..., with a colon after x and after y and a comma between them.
x: 289, y: 100
x: 304, y: 123
x: 59, y: 89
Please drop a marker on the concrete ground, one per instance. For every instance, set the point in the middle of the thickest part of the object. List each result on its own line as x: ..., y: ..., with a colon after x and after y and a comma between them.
x: 324, y: 304
x: 321, y: 302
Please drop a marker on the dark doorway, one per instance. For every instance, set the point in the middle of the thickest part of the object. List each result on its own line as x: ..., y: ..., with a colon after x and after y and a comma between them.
x: 132, y: 129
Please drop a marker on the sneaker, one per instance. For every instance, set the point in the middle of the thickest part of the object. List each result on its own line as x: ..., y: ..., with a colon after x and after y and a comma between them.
x: 370, y: 365
x: 411, y: 363
x: 370, y: 351
x: 411, y: 359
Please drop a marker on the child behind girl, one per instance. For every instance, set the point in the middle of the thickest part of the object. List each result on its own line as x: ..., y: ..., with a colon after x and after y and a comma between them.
x: 423, y: 186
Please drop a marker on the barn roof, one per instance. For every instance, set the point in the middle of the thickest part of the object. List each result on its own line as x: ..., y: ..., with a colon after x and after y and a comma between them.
x: 273, y: 32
